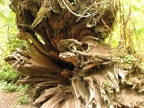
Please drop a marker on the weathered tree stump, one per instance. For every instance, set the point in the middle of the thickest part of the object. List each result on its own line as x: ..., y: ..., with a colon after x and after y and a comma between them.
x: 67, y: 60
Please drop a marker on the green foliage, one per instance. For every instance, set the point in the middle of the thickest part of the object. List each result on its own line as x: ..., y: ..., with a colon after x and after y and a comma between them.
x: 8, y: 78
x: 8, y: 87
x: 23, y: 97
x: 107, y: 84
x: 8, y: 32
x: 11, y: 87
x: 135, y: 28
x: 8, y: 74
x: 8, y: 43
x: 23, y: 88
x: 130, y: 59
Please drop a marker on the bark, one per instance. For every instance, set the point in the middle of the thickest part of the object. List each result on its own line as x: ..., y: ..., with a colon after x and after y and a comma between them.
x: 67, y: 60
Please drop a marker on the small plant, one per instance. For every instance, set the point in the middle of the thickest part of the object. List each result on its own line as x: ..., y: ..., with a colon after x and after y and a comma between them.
x: 130, y: 58
x: 8, y: 74
x: 8, y: 87
x: 23, y: 97
x: 24, y: 88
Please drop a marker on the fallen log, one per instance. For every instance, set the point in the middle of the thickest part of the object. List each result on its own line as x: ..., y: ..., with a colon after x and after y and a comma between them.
x: 67, y: 60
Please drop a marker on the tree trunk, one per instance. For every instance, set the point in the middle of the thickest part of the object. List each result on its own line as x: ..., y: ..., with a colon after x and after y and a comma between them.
x: 67, y: 60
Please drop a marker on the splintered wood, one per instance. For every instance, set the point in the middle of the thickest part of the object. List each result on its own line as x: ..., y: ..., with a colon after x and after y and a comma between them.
x: 67, y: 61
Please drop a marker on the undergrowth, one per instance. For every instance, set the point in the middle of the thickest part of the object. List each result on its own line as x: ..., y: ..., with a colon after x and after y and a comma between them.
x: 8, y: 78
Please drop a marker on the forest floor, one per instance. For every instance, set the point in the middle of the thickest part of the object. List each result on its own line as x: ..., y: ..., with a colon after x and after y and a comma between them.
x: 9, y: 100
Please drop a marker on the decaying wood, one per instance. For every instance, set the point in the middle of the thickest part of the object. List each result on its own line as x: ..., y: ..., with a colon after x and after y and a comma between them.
x: 67, y: 60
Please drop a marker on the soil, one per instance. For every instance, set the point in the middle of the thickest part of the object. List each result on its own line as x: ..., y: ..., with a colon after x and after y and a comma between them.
x: 9, y: 100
